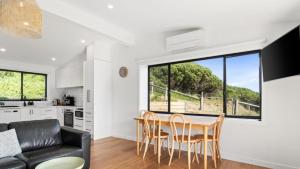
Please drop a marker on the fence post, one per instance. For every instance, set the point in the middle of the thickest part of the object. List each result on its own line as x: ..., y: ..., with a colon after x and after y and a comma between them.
x: 152, y: 87
x: 166, y: 94
x: 201, y: 101
x: 236, y: 106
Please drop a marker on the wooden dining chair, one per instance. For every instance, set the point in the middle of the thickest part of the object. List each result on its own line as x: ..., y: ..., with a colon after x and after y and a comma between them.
x: 152, y: 130
x: 181, y: 134
x: 213, y: 139
x: 141, y: 115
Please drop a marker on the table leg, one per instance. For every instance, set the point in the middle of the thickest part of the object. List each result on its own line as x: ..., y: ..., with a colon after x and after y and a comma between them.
x: 205, y: 147
x: 189, y: 155
x: 159, y: 146
x: 138, y: 137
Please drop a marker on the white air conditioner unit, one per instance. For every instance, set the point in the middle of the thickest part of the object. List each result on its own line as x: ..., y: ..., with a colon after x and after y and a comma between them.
x: 193, y: 39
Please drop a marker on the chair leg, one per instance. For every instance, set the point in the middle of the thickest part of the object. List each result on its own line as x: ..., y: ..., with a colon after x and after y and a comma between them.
x: 179, y: 150
x: 172, y: 152
x: 219, y: 150
x: 215, y: 154
x: 143, y: 142
x: 211, y: 150
x: 189, y: 155
x: 196, y: 153
x: 146, y: 147
x: 168, y: 146
x: 200, y: 149
x: 155, y: 146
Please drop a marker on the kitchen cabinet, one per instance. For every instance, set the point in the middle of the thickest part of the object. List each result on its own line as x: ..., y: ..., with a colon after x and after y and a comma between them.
x: 70, y: 75
x: 89, y: 121
x: 9, y: 115
x: 97, y: 89
x: 28, y: 114
x: 60, y: 115
x: 47, y: 113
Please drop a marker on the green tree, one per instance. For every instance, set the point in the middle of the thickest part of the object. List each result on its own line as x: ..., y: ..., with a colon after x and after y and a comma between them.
x: 193, y: 79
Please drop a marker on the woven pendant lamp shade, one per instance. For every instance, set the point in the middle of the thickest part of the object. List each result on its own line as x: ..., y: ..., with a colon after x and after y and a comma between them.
x: 21, y: 18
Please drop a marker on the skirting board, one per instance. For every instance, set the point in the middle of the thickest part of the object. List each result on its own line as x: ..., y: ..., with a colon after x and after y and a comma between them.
x: 234, y: 157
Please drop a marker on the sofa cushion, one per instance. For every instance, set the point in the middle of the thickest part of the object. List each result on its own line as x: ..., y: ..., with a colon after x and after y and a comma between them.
x: 9, y: 144
x: 33, y: 158
x: 12, y: 163
x: 3, y: 127
x: 33, y: 135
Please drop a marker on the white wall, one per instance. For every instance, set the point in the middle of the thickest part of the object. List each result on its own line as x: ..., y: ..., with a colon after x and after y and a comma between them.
x: 52, y: 92
x: 271, y: 142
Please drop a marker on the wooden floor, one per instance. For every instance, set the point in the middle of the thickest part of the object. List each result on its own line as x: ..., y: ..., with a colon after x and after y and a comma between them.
x: 114, y: 153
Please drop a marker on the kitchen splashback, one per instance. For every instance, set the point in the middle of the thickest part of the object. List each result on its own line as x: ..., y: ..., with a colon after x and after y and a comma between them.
x: 76, y: 92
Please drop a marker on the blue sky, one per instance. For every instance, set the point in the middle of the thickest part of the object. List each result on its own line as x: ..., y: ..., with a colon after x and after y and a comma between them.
x: 241, y: 71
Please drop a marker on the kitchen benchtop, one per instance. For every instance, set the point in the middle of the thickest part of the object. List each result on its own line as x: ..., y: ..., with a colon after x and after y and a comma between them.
x: 39, y: 107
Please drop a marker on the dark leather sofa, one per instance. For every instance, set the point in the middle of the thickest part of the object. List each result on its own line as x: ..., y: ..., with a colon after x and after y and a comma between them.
x: 43, y: 140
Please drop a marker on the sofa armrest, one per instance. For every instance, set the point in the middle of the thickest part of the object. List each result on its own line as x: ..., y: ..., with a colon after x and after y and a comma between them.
x: 80, y: 139
x: 75, y: 137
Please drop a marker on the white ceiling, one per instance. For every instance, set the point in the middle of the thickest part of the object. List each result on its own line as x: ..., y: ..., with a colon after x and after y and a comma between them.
x: 224, y: 22
x: 163, y: 16
x: 61, y: 39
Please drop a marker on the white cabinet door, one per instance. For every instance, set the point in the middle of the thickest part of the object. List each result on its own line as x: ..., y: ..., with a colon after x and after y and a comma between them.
x: 46, y: 113
x: 102, y: 99
x: 60, y: 116
x: 26, y: 114
x: 88, y: 87
x: 71, y: 75
x: 9, y: 115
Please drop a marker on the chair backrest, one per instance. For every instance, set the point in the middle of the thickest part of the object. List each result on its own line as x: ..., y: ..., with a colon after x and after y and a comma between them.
x: 220, y: 121
x: 180, y: 126
x: 152, y: 124
x: 142, y: 112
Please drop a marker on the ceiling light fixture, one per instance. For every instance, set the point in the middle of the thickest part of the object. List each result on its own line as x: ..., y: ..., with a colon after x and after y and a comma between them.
x: 53, y: 59
x: 110, y: 6
x: 26, y: 23
x: 21, y: 18
x: 83, y: 41
x: 2, y: 49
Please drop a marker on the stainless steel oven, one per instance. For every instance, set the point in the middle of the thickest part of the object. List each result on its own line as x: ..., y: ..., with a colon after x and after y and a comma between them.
x: 69, y: 117
x: 79, y: 113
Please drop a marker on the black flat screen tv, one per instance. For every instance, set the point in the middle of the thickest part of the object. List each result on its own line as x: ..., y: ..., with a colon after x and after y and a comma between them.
x: 282, y: 58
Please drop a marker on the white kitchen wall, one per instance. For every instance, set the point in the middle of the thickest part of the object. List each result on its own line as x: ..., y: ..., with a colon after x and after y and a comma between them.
x: 52, y: 92
x: 272, y: 142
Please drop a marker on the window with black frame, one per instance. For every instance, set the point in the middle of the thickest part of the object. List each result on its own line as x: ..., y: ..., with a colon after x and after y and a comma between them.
x: 243, y: 89
x: 17, y: 86
x: 196, y: 87
x: 158, y: 88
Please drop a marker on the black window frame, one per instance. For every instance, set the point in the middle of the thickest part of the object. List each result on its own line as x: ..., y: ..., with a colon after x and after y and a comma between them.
x: 22, y: 96
x: 224, y: 84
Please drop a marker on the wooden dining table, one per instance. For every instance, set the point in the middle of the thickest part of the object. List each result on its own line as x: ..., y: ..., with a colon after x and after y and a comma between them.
x: 198, y: 125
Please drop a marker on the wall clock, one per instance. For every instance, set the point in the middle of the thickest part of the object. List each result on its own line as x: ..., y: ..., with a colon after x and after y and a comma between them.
x: 123, y: 72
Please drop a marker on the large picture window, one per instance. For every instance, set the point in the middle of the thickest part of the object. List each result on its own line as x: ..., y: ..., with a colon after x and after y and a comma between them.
x: 228, y: 84
x: 19, y: 86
